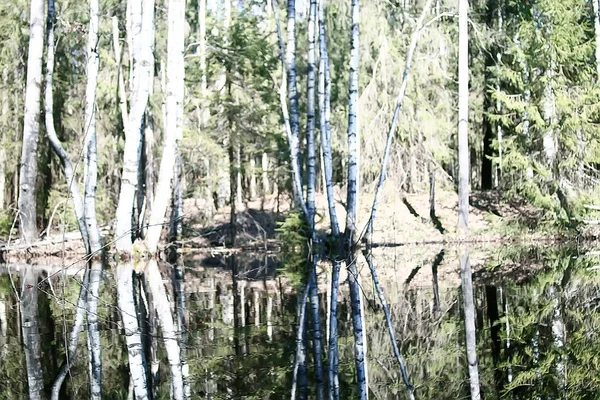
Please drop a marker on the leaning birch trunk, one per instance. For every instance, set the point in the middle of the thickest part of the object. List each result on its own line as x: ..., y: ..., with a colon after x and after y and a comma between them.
x: 31, y: 126
x: 142, y: 24
x: 31, y: 334
x: 73, y: 338
x: 51, y: 133
x: 367, y: 252
x: 291, y: 138
x: 463, y: 118
x: 388, y: 145
x: 175, y: 89
x: 165, y: 319
x: 597, y: 34
x: 469, y: 311
x: 133, y: 337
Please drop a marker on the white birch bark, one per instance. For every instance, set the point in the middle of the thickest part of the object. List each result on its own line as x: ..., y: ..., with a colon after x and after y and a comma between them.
x: 93, y: 330
x: 265, y: 174
x: 310, y: 114
x: 5, y: 111
x: 142, y: 26
x: 133, y: 338
x: 31, y: 126
x: 31, y: 334
x: 174, y: 131
x: 55, y: 143
x: 169, y: 331
x: 291, y: 84
x: 463, y: 118
x: 469, y: 311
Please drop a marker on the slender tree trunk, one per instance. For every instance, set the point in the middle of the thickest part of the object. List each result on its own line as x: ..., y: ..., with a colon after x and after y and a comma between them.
x: 266, y: 187
x: 469, y: 310
x: 5, y: 112
x: 388, y: 145
x: 291, y: 138
x: 174, y: 132
x: 463, y: 118
x: 121, y: 79
x: 126, y: 301
x: 31, y: 334
x: 597, y: 34
x: 252, y: 185
x: 142, y: 26
x: 292, y: 88
x: 93, y: 330
x: 310, y: 116
x: 167, y: 326
x: 28, y: 166
x: 78, y: 205
x: 182, y: 321
x: 299, y: 374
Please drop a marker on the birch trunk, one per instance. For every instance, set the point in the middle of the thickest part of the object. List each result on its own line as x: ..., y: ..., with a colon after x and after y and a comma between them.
x: 142, y: 26
x: 165, y: 319
x: 90, y: 147
x: 388, y: 145
x: 317, y: 336
x: 93, y: 330
x: 469, y: 311
x: 292, y: 87
x: 310, y: 115
x: 5, y: 111
x: 126, y: 301
x: 55, y: 143
x: 31, y: 334
x: 121, y: 79
x: 181, y: 318
x: 266, y: 188
x: 73, y: 338
x: 174, y: 131
x: 31, y: 126
x: 463, y: 118
x: 291, y: 138
x: 333, y: 357
x: 299, y: 373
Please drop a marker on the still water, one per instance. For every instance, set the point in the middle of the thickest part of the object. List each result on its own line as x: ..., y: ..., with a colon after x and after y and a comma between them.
x: 536, y: 317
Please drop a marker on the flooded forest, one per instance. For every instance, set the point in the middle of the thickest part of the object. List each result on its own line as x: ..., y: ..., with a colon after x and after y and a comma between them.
x: 299, y: 199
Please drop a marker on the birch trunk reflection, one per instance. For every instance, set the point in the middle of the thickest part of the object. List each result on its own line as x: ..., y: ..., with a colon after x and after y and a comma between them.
x: 169, y: 332
x: 469, y: 310
x: 31, y: 334
x: 133, y: 337
x: 94, y: 345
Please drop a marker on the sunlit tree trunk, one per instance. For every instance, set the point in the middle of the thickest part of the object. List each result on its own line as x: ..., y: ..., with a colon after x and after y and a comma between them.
x: 5, y: 111
x: 469, y: 311
x: 169, y: 331
x: 93, y: 330
x: 28, y: 166
x: 182, y: 321
x: 463, y: 118
x: 299, y: 380
x: 121, y: 79
x: 310, y: 115
x: 292, y: 87
x: 142, y: 26
x: 174, y: 132
x: 351, y: 209
x: 126, y: 302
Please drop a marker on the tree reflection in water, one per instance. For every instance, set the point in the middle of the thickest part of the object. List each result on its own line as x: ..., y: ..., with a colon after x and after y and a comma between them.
x: 233, y: 320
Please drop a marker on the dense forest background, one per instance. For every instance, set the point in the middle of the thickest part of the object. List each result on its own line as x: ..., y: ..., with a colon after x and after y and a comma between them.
x: 533, y: 100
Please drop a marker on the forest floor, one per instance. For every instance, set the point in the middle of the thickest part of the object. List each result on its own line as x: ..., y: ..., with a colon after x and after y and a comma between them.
x: 402, y: 219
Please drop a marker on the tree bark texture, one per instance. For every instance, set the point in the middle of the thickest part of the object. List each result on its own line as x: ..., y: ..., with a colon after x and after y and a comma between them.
x: 463, y: 118
x: 31, y: 334
x: 470, y: 333
x: 31, y: 126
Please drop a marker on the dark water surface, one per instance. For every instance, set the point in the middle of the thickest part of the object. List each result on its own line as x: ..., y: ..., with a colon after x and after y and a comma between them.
x: 536, y: 317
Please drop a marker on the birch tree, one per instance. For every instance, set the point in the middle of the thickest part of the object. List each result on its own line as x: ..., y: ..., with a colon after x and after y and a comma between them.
x: 31, y: 333
x: 469, y: 312
x: 174, y: 123
x: 142, y: 25
x: 595, y: 5
x: 294, y: 116
x: 31, y: 127
x: 463, y: 118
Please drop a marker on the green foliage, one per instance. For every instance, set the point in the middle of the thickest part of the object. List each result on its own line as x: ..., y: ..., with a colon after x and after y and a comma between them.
x: 294, y: 233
